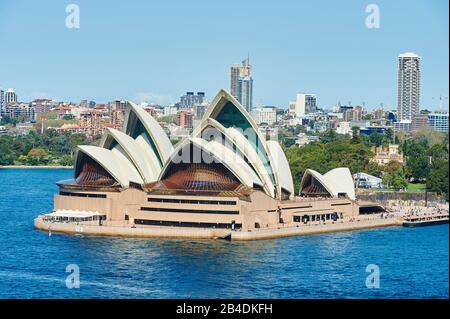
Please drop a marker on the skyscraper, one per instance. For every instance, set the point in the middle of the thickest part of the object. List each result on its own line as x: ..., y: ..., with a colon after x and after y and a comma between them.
x: 241, y: 83
x: 408, y: 99
x: 2, y: 100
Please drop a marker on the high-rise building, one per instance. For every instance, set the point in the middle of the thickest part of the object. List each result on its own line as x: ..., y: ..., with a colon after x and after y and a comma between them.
x: 117, y: 105
x: 189, y: 100
x: 117, y: 118
x: 43, y: 105
x: 200, y: 109
x: 22, y: 112
x: 246, y: 92
x: 91, y: 122
x: 241, y: 83
x: 2, y: 100
x: 419, y: 121
x: 10, y: 96
x: 438, y: 121
x: 185, y: 119
x: 304, y: 104
x: 408, y: 99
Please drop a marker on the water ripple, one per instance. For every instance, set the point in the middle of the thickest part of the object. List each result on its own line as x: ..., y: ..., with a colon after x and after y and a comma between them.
x: 413, y: 262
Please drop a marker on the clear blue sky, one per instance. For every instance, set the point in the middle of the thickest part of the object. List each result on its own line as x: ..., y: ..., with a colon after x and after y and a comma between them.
x: 142, y: 50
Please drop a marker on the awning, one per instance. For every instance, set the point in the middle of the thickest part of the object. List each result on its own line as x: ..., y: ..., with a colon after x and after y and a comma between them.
x: 63, y: 213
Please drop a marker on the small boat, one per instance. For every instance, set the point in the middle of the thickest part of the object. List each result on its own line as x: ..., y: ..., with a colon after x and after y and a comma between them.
x: 418, y: 221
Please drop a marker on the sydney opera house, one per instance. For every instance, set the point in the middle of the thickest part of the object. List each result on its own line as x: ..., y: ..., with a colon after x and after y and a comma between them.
x: 226, y: 178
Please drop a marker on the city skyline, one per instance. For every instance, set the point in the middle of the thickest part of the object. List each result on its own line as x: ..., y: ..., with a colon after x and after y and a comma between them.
x: 348, y: 62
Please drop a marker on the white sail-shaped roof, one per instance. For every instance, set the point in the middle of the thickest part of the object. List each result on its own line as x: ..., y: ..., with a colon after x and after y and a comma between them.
x: 226, y: 110
x: 236, y: 165
x: 233, y: 162
x: 342, y: 180
x: 113, y: 161
x: 281, y: 166
x: 155, y: 134
x: 319, y: 177
x: 233, y: 137
x: 140, y: 154
x: 337, y: 181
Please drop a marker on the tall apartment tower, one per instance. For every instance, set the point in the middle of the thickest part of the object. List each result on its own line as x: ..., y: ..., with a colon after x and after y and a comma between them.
x: 189, y: 100
x: 408, y: 99
x: 2, y: 100
x: 241, y: 83
x: 10, y: 96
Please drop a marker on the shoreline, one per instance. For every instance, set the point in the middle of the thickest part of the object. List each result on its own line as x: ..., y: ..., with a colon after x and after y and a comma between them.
x: 37, y: 166
x: 203, y: 233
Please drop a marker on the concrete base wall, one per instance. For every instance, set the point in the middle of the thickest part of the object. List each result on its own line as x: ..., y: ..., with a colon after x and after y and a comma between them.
x: 203, y: 233
x: 141, y: 232
x: 289, y: 231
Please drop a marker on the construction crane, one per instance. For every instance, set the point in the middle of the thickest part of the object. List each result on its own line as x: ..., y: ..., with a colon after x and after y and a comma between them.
x: 441, y: 98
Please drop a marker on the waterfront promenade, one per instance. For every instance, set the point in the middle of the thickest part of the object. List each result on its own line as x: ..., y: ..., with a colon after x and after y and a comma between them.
x: 124, y: 228
x: 283, y: 230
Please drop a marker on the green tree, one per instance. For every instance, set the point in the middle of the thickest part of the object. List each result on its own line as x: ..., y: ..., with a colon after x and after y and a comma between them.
x: 355, y: 134
x: 392, y: 166
x: 37, y: 156
x: 66, y: 160
x: 309, y: 156
x: 329, y: 136
x: 416, y: 153
x: 396, y: 179
x: 438, y: 180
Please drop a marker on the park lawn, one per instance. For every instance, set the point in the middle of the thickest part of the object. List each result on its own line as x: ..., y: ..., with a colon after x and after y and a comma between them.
x: 415, y: 187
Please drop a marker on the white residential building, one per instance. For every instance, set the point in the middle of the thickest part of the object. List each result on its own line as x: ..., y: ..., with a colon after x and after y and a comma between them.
x: 304, y: 104
x: 10, y: 96
x: 264, y: 115
x: 344, y: 128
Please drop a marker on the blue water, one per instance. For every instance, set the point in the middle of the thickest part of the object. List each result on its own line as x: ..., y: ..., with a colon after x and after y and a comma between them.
x: 413, y: 262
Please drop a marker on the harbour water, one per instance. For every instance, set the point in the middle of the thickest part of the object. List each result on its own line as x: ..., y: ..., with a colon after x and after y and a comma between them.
x: 412, y: 262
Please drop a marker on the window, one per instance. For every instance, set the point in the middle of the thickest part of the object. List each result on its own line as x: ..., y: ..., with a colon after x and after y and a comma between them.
x: 191, y: 201
x: 62, y: 193
x: 192, y: 211
x: 186, y: 224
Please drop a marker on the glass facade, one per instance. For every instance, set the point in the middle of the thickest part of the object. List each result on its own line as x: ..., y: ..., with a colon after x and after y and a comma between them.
x: 231, y: 116
x: 438, y: 121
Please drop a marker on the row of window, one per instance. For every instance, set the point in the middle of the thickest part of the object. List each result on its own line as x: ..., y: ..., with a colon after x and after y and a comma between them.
x: 195, y: 211
x: 82, y: 195
x: 313, y: 218
x: 191, y: 201
x: 186, y: 224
